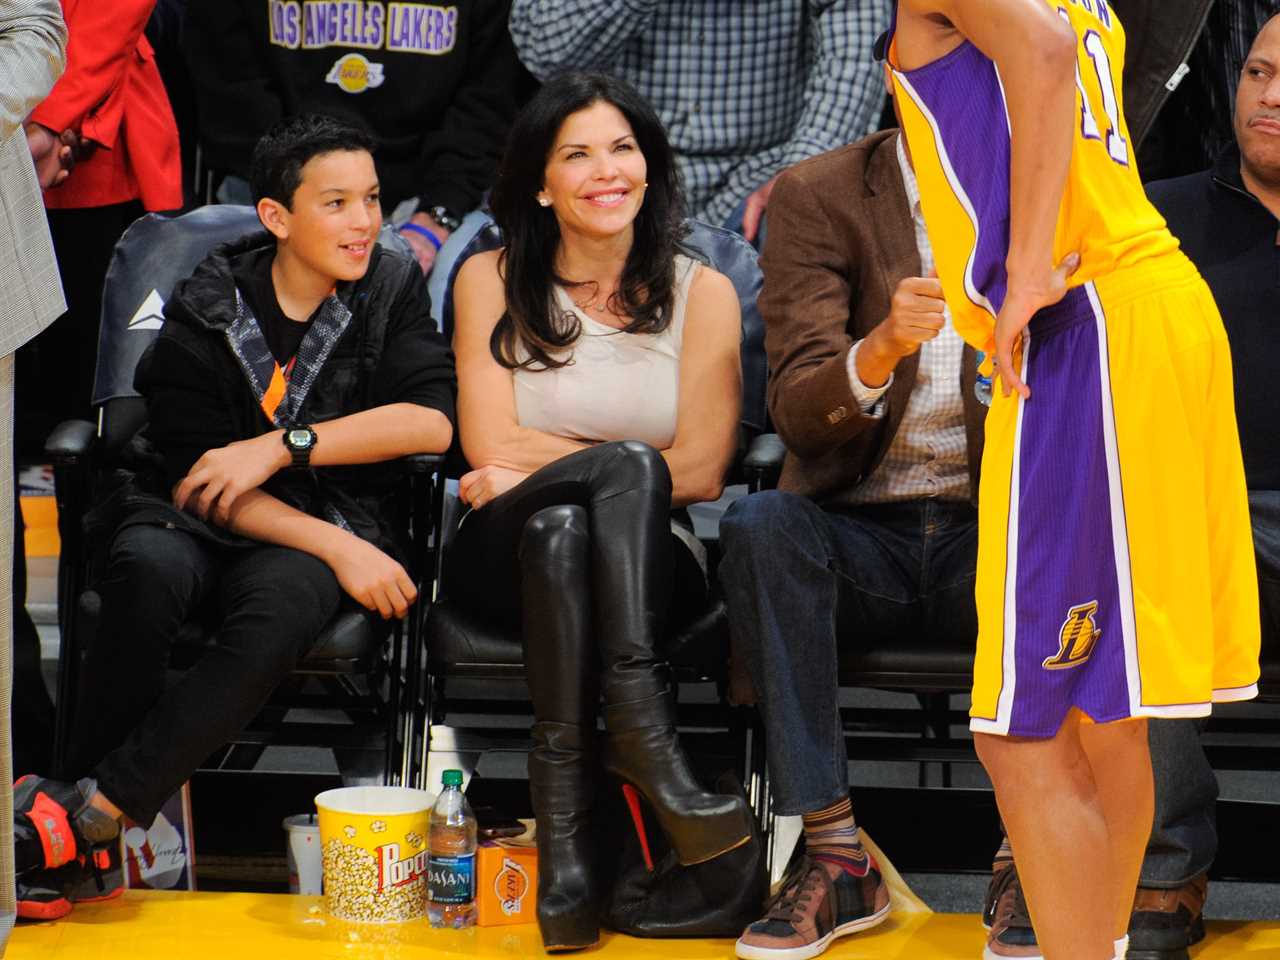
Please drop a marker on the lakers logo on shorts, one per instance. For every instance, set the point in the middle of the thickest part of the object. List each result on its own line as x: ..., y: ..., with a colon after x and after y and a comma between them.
x: 1077, y: 638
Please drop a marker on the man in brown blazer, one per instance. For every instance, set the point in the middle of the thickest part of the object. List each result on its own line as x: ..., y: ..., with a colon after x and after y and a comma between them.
x: 872, y: 533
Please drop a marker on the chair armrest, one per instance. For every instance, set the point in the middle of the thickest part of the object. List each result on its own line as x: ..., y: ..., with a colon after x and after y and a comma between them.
x: 425, y: 462
x: 763, y: 462
x: 70, y: 440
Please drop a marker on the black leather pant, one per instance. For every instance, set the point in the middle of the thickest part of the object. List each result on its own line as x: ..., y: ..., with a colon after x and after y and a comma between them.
x: 580, y: 556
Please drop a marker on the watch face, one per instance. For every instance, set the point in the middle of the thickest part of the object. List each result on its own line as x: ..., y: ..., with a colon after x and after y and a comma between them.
x: 301, y: 439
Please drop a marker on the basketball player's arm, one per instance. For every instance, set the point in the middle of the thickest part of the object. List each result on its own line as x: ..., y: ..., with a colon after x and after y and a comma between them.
x: 1035, y: 51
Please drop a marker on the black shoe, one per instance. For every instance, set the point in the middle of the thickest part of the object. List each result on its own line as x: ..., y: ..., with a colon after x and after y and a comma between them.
x: 54, y: 824
x: 1165, y: 923
x: 562, y: 792
x: 642, y: 749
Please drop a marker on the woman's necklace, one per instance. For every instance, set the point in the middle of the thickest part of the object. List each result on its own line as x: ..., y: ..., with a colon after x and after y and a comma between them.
x: 594, y: 305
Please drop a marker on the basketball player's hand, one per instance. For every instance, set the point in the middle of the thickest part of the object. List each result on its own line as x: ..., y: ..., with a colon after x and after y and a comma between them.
x: 480, y: 486
x: 1025, y: 297
x: 915, y: 316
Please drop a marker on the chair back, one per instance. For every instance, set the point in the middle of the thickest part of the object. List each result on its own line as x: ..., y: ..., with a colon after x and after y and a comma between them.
x: 722, y: 250
x: 155, y: 253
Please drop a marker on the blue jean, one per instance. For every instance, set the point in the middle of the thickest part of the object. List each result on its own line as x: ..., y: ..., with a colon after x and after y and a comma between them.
x: 799, y: 581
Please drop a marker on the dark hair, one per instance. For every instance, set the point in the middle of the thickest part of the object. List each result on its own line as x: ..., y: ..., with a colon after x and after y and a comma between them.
x: 279, y: 156
x: 532, y: 233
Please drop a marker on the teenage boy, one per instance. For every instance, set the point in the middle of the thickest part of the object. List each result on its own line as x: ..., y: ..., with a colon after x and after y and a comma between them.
x: 294, y: 368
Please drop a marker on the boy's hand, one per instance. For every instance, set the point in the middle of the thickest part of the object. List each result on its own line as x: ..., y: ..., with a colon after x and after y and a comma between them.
x: 370, y: 577
x: 218, y: 478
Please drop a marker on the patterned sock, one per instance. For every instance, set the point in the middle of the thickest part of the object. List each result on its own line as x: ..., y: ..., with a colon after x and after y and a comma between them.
x: 1122, y: 947
x: 1004, y: 855
x: 831, y: 836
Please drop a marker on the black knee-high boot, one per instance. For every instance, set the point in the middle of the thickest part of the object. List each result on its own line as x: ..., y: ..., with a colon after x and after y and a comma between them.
x: 631, y: 570
x: 560, y: 667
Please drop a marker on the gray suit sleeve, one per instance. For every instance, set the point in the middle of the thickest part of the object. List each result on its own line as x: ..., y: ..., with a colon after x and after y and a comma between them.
x: 33, y: 42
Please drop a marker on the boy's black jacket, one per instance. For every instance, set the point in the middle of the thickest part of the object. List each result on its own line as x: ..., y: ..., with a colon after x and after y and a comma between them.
x: 199, y: 397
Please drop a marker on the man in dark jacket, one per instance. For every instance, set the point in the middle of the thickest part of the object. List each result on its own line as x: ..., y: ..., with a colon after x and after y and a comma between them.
x: 438, y: 86
x: 293, y: 367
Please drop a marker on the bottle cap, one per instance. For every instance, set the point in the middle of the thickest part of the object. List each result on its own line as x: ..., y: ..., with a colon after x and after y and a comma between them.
x: 452, y: 778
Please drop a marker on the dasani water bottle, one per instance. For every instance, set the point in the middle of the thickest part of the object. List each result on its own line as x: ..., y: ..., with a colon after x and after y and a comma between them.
x: 451, y: 857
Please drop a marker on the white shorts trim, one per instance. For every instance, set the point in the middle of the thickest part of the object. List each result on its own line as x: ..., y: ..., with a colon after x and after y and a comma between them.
x: 1177, y: 711
x: 1235, y: 694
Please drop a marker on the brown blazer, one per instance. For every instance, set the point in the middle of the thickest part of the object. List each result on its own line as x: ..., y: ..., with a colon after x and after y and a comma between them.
x: 840, y: 239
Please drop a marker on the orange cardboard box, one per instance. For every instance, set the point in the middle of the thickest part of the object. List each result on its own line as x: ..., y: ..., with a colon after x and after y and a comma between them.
x: 507, y: 883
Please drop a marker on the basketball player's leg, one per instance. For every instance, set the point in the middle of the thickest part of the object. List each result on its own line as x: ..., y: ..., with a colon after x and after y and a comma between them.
x: 1053, y: 813
x: 1120, y: 758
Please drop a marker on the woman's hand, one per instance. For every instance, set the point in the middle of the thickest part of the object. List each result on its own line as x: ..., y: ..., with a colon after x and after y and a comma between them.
x: 480, y: 486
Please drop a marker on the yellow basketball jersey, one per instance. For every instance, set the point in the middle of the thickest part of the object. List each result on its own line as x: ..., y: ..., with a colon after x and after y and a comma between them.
x: 958, y: 129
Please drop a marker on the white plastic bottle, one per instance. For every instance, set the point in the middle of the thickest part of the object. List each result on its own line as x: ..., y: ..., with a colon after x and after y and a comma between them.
x: 451, y: 857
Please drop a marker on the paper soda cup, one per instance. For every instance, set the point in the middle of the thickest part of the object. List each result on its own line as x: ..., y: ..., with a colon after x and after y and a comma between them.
x: 302, y: 837
x: 374, y: 843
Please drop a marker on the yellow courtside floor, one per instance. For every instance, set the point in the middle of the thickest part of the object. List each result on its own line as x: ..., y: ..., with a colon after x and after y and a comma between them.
x: 239, y: 926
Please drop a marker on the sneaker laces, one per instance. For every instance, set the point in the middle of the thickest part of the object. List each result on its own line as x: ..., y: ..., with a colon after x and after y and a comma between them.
x: 788, y: 907
x: 1013, y: 911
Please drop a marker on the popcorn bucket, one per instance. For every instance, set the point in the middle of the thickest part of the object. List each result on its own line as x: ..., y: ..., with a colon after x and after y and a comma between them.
x: 374, y: 841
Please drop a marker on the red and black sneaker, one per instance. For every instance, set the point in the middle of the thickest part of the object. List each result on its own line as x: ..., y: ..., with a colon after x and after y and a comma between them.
x: 55, y: 825
x: 101, y: 876
x: 46, y: 894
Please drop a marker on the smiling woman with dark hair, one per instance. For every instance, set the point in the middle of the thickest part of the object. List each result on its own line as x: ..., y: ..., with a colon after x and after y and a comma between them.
x: 599, y: 388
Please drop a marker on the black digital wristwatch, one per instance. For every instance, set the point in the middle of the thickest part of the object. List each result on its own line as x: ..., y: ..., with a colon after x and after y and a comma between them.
x: 300, y: 440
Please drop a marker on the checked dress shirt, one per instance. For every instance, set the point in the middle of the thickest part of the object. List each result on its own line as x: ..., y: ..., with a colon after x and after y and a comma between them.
x: 744, y: 88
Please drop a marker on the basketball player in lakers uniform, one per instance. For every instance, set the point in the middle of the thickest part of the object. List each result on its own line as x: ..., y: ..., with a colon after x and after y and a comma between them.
x: 1116, y: 576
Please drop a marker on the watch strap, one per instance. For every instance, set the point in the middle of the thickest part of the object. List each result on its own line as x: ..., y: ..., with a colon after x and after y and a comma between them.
x: 422, y: 232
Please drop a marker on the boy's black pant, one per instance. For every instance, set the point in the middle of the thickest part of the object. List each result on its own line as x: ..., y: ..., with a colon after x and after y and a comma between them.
x: 142, y: 740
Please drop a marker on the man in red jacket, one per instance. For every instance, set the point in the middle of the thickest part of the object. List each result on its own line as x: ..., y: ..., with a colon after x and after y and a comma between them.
x: 111, y: 104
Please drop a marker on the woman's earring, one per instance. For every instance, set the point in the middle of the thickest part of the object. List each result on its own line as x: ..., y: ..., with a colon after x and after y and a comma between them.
x: 544, y: 201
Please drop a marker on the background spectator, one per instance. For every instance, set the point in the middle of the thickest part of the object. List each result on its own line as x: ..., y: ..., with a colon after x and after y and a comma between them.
x: 32, y: 55
x: 437, y: 86
x: 111, y: 103
x: 744, y: 90
x: 1195, y: 122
